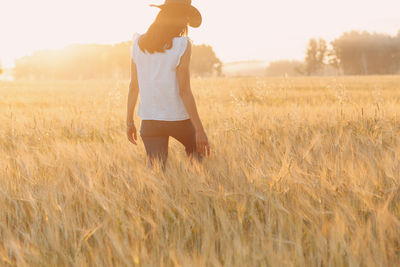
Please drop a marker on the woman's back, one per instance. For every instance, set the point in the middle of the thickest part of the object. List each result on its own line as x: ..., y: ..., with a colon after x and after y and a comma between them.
x: 160, y: 75
x: 158, y: 84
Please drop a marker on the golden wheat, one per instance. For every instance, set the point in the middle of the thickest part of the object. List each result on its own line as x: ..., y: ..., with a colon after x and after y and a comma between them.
x: 304, y: 172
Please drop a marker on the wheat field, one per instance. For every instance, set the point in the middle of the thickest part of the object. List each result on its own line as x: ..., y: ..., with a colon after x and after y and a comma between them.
x: 304, y: 172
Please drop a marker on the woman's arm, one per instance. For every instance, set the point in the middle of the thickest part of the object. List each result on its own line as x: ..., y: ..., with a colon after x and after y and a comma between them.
x: 183, y: 74
x: 132, y: 99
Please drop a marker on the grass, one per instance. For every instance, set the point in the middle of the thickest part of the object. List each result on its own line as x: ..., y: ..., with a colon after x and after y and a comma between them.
x: 304, y: 172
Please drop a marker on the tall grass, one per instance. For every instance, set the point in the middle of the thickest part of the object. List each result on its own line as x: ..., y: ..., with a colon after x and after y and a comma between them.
x: 304, y: 172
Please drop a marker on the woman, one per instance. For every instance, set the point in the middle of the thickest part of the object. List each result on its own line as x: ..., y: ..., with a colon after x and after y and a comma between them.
x: 160, y: 73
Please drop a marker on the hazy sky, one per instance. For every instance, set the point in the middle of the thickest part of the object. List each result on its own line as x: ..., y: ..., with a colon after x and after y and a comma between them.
x: 238, y: 30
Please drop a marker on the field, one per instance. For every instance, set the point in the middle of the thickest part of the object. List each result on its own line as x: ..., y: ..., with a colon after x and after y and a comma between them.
x: 304, y: 172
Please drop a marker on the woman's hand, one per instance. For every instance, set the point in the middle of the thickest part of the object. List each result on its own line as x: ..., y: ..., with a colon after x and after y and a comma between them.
x: 132, y: 99
x: 202, y: 145
x: 131, y: 133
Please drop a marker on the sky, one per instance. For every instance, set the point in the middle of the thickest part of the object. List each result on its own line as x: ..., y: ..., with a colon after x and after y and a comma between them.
x: 237, y: 30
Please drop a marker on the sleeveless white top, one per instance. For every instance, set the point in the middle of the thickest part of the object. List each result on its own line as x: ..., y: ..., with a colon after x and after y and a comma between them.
x: 158, y: 82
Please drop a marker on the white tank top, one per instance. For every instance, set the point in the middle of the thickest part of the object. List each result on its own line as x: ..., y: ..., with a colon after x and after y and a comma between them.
x: 158, y: 83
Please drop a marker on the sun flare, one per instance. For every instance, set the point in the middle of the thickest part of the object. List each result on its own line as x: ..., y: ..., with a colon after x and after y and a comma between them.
x: 273, y: 30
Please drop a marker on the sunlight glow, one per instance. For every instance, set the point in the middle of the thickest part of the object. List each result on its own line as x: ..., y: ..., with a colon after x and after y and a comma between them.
x: 238, y: 30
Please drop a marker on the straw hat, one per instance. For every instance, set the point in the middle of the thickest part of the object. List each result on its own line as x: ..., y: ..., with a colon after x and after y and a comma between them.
x: 195, y: 18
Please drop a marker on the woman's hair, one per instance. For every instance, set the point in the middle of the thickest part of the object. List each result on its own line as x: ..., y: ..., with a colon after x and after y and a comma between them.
x: 170, y: 22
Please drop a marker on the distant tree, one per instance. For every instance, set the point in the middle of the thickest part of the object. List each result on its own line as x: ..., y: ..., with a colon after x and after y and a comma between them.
x: 315, y: 57
x: 218, y: 68
x: 99, y: 62
x: 362, y: 53
x: 72, y: 62
x: 333, y: 60
x: 204, y: 61
x: 396, y: 54
x: 285, y: 67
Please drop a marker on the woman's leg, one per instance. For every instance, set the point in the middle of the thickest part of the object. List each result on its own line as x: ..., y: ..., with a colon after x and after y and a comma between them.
x: 155, y: 141
x: 156, y: 149
x: 184, y: 132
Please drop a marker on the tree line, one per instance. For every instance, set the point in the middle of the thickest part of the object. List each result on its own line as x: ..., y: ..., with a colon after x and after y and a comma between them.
x: 353, y: 53
x: 94, y: 61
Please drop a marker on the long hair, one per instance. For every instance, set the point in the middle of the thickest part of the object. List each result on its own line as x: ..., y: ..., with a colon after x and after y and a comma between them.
x: 171, y: 21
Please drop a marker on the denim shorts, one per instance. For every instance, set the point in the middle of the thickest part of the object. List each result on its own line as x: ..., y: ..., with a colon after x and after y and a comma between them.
x: 155, y: 135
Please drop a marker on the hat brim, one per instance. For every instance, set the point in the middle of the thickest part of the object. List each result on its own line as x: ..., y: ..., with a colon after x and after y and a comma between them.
x: 195, y: 18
